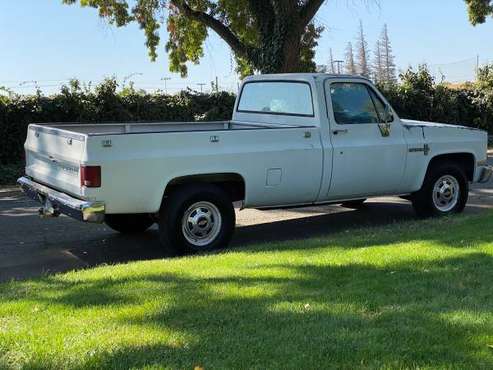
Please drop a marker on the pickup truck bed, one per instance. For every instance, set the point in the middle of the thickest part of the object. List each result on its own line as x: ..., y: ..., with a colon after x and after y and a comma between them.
x: 132, y: 165
x: 157, y: 127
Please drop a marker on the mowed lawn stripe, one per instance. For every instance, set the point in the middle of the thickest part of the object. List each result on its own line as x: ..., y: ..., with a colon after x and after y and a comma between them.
x: 407, y: 295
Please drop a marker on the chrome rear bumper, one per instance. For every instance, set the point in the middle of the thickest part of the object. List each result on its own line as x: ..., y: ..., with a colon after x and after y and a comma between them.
x: 485, y: 173
x: 55, y: 203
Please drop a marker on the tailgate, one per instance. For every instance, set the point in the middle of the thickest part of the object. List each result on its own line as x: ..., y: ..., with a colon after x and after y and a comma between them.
x: 53, y: 157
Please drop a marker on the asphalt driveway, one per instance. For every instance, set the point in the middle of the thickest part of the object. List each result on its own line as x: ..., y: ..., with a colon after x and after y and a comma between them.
x: 30, y: 246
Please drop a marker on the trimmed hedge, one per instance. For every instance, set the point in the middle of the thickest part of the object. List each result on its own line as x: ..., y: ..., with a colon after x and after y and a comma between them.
x: 103, y: 104
x: 417, y: 96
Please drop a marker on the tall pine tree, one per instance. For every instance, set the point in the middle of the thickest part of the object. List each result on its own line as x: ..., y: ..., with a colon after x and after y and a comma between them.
x: 363, y: 67
x: 378, y: 64
x: 388, y: 60
x: 350, y: 66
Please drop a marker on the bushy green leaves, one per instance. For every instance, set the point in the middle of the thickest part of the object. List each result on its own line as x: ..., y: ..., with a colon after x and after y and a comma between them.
x: 309, y: 42
x: 114, y: 11
x: 185, y: 43
x: 76, y: 103
x: 419, y: 97
x: 485, y: 77
x: 478, y: 10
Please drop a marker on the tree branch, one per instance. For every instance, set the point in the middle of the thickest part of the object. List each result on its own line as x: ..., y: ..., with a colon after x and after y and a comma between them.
x: 309, y: 10
x: 223, y: 31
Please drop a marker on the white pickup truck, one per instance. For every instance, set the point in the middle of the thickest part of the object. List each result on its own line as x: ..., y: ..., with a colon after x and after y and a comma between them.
x: 294, y: 139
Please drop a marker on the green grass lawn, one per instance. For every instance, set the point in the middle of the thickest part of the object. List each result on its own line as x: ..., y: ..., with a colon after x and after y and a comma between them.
x: 417, y: 294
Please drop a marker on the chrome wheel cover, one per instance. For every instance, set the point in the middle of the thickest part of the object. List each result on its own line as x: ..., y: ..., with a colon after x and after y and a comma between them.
x: 201, y: 223
x: 446, y: 193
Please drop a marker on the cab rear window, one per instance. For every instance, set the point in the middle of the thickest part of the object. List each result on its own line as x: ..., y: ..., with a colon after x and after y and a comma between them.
x: 277, y: 97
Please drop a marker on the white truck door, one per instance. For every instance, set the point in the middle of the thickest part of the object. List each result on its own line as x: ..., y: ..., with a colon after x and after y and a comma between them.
x: 369, y: 154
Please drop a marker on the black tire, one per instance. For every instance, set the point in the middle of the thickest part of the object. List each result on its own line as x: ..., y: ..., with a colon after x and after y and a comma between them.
x: 354, y: 204
x: 423, y: 200
x: 179, y: 203
x: 129, y: 223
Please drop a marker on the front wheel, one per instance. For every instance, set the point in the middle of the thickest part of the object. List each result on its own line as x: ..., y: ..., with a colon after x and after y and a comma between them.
x: 196, y: 218
x: 445, y: 191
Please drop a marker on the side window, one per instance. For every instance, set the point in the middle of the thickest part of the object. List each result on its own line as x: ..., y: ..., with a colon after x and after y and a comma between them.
x: 273, y: 97
x: 352, y: 104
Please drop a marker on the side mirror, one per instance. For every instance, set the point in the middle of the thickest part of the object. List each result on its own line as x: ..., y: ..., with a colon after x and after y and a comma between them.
x: 386, y: 127
x: 388, y: 115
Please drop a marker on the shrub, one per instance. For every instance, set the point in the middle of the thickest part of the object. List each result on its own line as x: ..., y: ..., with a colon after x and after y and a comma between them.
x: 417, y: 96
x: 102, y: 104
x: 10, y: 172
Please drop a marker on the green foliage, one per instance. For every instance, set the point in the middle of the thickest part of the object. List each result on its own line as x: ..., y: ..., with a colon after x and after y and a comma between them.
x: 309, y: 42
x: 75, y: 103
x: 485, y: 77
x: 9, y: 173
x: 267, y: 36
x: 478, y: 10
x: 419, y: 97
x: 185, y: 43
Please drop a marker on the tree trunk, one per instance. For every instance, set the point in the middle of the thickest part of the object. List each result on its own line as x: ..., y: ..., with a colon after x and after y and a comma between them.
x: 281, y: 50
x: 292, y: 55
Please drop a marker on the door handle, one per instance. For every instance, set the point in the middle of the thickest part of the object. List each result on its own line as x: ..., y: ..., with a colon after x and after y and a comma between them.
x: 337, y: 132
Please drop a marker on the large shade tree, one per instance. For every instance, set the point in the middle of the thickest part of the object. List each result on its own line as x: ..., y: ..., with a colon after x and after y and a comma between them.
x: 269, y: 36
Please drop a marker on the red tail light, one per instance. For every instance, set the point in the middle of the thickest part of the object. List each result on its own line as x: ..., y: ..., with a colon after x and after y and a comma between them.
x: 90, y: 176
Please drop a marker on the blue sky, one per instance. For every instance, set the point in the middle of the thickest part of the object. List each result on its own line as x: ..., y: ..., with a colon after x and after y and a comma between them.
x: 45, y: 41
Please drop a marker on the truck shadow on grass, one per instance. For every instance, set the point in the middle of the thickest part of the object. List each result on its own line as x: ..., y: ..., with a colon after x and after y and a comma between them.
x: 118, y: 248
x: 124, y: 248
x: 407, y: 314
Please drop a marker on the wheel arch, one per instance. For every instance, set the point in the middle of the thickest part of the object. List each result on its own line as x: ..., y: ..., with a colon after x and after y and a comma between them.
x: 232, y: 183
x: 466, y: 160
x: 422, y: 199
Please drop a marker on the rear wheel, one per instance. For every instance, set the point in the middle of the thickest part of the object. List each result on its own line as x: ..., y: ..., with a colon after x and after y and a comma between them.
x: 354, y: 204
x: 445, y: 191
x: 197, y: 218
x: 129, y: 223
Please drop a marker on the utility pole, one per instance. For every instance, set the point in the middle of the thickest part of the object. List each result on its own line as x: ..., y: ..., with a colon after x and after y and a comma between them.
x: 339, y: 64
x: 201, y: 87
x: 477, y: 66
x: 215, y: 85
x: 165, y: 79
